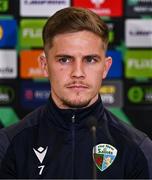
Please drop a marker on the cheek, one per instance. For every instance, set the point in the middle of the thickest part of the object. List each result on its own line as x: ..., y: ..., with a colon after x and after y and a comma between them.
x: 61, y: 69
x: 98, y: 77
x: 57, y: 74
x: 97, y: 74
x: 95, y: 79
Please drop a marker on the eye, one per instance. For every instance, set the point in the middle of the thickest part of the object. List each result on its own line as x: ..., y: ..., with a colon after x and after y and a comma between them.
x: 91, y: 59
x: 64, y: 60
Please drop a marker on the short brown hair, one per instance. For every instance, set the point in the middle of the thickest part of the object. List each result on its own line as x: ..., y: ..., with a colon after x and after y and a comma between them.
x: 73, y: 19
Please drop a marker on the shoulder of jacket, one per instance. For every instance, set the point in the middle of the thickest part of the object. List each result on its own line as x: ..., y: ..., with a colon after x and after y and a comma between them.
x: 124, y: 130
x: 134, y: 140
x: 30, y: 120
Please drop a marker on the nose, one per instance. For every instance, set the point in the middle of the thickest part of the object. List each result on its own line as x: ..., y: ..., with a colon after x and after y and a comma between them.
x: 78, y: 70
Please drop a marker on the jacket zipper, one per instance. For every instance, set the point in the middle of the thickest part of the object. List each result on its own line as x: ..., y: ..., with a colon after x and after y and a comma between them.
x: 73, y: 144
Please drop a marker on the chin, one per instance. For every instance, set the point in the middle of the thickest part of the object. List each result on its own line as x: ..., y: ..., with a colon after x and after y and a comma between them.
x: 76, y: 103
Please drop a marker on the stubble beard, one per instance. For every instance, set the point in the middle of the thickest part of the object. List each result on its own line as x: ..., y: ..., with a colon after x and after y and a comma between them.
x: 75, y: 104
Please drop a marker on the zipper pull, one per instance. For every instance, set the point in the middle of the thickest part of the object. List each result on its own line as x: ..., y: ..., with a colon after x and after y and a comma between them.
x: 73, y: 119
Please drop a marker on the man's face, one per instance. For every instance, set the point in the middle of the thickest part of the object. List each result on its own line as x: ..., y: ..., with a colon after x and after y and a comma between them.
x: 76, y: 65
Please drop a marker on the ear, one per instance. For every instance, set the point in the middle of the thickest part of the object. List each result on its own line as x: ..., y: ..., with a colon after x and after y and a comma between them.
x: 108, y: 63
x: 42, y: 61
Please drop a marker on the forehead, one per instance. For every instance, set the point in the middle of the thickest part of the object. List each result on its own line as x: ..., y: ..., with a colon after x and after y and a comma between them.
x: 81, y: 39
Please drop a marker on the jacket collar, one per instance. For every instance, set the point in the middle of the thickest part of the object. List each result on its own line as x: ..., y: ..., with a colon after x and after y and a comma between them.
x: 63, y: 117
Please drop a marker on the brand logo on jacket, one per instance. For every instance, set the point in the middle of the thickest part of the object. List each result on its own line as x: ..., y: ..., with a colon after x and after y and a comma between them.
x: 41, y: 153
x: 104, y: 155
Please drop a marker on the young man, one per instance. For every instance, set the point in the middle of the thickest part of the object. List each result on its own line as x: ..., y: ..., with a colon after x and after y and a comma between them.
x: 73, y: 135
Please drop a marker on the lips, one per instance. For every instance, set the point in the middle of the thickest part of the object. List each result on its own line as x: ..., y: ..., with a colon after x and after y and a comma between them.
x: 77, y: 86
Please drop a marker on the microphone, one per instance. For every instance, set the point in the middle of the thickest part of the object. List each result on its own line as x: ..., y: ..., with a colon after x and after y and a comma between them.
x: 92, y: 124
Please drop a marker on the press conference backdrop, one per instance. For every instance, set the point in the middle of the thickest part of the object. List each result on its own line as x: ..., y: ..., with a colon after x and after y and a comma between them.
x: 127, y: 91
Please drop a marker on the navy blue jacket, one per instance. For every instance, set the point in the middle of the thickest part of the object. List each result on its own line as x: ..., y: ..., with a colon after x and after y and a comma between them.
x: 56, y: 143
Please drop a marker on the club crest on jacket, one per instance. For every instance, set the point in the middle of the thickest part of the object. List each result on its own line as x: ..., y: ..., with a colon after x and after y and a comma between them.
x: 104, y: 155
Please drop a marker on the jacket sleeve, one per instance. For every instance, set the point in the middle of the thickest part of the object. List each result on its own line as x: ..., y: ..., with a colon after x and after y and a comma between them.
x: 6, y: 136
x: 8, y: 165
x: 146, y: 147
x: 4, y: 143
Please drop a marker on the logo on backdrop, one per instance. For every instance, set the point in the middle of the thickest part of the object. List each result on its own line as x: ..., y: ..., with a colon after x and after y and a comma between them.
x: 140, y: 94
x: 8, y: 33
x: 138, y: 8
x: 102, y: 7
x: 138, y: 33
x: 45, y: 8
x: 29, y: 67
x: 1, y: 32
x: 97, y: 3
x: 8, y: 64
x: 115, y: 32
x: 31, y: 32
x: 138, y: 64
x: 7, y: 94
x: 111, y: 93
x: 135, y: 94
x: 3, y: 5
x: 104, y: 155
x: 34, y: 94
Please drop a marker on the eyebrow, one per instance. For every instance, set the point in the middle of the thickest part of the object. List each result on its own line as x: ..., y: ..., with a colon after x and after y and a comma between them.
x: 92, y: 55
x: 64, y: 55
x: 86, y: 56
